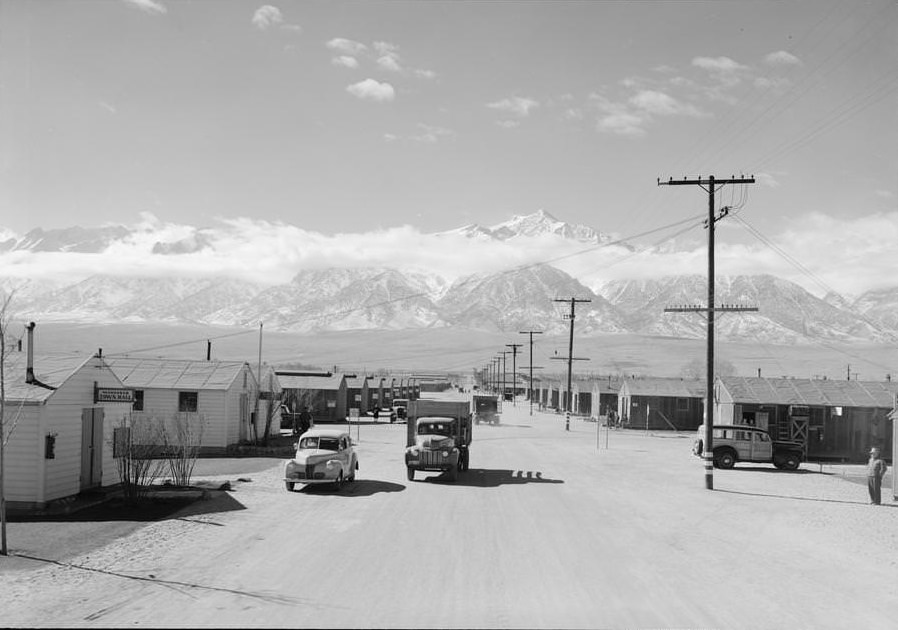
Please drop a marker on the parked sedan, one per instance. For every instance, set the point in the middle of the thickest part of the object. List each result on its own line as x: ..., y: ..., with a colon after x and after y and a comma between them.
x: 322, y: 456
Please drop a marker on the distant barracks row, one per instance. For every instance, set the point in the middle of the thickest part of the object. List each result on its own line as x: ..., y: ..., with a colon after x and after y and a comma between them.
x: 61, y: 412
x: 837, y: 421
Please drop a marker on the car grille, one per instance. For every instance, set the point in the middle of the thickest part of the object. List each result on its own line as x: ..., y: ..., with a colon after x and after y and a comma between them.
x: 431, y: 458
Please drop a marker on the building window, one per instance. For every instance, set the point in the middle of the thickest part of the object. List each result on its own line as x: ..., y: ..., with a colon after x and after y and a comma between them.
x: 682, y: 404
x: 138, y: 400
x: 187, y: 401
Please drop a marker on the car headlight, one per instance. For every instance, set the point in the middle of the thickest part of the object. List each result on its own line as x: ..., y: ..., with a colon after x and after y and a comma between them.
x: 331, y: 464
x: 414, y: 452
x: 445, y: 453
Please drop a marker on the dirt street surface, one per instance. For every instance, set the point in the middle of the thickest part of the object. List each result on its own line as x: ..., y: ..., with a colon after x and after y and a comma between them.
x: 546, y: 530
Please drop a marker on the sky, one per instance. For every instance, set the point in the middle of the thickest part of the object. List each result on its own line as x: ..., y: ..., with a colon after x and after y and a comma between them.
x: 348, y: 131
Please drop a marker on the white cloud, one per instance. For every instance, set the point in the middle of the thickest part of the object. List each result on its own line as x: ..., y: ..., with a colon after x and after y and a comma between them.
x: 508, y: 124
x: 718, y: 64
x: 431, y: 133
x: 346, y: 61
x: 617, y: 118
x: 849, y: 255
x: 347, y: 46
x: 148, y: 6
x: 782, y: 58
x: 425, y: 74
x: 108, y: 107
x: 725, y: 71
x: 267, y: 16
x: 389, y: 62
x: 372, y: 90
x: 662, y: 104
x: 517, y: 105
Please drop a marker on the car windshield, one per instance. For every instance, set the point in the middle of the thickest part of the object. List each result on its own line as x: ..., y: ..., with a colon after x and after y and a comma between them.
x: 435, y: 428
x: 323, y: 443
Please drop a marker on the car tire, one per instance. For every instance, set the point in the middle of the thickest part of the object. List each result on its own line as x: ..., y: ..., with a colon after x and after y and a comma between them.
x: 289, y: 485
x: 410, y: 473
x: 791, y: 462
x: 726, y: 459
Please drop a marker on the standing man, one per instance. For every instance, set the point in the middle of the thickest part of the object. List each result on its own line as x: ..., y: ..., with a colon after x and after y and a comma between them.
x: 876, y: 470
x: 305, y: 420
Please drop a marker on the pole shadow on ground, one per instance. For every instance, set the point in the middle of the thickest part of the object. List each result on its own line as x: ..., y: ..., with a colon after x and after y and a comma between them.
x: 492, y: 478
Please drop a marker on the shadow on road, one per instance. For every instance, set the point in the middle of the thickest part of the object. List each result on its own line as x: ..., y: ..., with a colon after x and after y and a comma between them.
x: 151, y: 509
x: 488, y: 478
x: 784, y: 496
x: 799, y: 471
x: 357, y: 488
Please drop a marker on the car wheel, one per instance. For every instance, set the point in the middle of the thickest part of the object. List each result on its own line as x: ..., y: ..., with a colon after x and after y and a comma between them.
x: 410, y: 473
x: 726, y: 460
x: 289, y: 485
x: 791, y: 462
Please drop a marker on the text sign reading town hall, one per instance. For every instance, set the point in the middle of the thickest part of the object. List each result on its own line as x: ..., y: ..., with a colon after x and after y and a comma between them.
x: 113, y: 394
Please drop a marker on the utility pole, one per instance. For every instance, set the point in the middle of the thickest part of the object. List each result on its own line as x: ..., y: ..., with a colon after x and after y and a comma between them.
x: 530, y: 391
x: 502, y: 358
x: 709, y: 185
x: 570, y: 351
x: 514, y: 371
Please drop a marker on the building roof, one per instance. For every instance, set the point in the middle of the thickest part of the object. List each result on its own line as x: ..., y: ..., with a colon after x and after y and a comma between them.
x: 803, y: 391
x: 671, y: 387
x: 156, y: 373
x: 332, y: 382
x: 356, y: 382
x: 50, y: 369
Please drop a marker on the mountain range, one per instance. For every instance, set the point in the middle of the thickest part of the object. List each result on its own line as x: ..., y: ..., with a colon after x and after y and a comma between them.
x: 535, y: 297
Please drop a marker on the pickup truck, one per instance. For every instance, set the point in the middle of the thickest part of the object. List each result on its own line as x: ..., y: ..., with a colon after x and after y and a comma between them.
x: 740, y: 443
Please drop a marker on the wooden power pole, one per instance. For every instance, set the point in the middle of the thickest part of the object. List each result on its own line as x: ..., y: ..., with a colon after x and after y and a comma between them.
x: 709, y: 185
x: 530, y: 392
x: 568, y: 406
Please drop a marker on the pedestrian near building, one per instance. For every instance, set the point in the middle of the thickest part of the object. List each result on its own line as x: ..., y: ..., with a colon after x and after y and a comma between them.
x: 876, y: 470
x: 305, y: 420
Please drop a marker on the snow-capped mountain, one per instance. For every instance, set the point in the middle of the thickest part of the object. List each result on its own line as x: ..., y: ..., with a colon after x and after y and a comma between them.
x: 399, y: 299
x: 538, y: 224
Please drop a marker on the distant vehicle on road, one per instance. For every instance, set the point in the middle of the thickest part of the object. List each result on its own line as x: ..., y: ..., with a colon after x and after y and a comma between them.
x: 322, y: 456
x: 740, y: 443
x: 400, y: 408
x: 486, y: 408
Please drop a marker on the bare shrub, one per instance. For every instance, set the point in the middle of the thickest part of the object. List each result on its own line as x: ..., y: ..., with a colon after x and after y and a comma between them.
x: 135, y: 448
x: 181, y: 438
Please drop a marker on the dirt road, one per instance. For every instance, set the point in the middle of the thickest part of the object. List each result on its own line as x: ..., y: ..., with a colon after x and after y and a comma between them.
x: 545, y: 530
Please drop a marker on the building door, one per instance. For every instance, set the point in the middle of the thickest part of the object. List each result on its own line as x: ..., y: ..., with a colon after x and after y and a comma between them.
x: 91, y: 447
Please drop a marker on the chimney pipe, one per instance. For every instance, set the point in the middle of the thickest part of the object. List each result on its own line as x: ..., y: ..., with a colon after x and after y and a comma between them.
x: 208, y: 350
x: 29, y: 366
